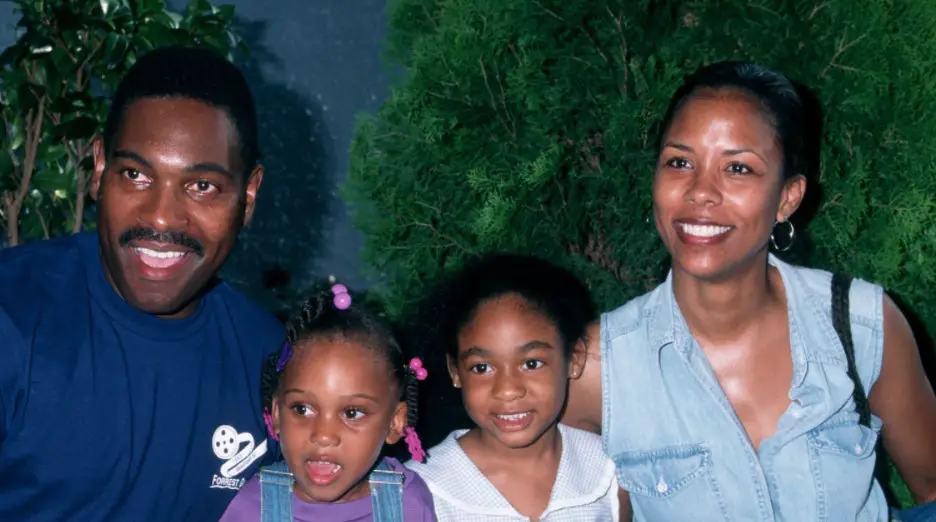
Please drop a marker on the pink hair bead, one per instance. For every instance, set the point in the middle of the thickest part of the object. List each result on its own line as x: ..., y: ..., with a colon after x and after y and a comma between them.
x: 342, y: 301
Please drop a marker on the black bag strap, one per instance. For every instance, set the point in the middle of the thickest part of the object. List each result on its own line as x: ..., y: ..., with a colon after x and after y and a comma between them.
x: 841, y: 284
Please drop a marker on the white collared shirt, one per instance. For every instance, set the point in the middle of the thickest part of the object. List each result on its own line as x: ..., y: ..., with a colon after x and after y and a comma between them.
x: 585, y: 489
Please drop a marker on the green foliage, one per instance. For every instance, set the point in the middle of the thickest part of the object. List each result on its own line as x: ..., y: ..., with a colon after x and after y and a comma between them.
x: 54, y: 85
x: 528, y: 125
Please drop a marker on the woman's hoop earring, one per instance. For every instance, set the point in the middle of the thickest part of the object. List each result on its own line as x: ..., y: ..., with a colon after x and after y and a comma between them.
x: 789, y: 240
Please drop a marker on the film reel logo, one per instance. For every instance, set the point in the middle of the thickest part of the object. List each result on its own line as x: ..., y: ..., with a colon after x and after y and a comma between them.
x: 238, y: 452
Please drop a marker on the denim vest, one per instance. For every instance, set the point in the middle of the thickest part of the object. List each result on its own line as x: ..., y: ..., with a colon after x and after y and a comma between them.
x: 680, y: 450
x: 276, y: 493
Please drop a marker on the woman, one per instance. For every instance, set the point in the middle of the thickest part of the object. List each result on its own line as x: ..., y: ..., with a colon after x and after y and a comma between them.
x: 725, y: 393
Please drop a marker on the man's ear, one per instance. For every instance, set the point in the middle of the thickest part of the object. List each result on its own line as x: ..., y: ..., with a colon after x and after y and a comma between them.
x: 398, y: 423
x: 100, y: 162
x: 253, y: 187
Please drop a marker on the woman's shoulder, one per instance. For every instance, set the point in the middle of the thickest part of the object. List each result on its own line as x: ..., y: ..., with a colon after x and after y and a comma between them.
x: 631, y: 315
x: 245, y: 507
x: 806, y: 284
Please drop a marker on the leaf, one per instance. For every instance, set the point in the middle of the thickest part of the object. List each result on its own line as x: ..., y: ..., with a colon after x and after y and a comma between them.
x: 87, y: 163
x: 100, y: 24
x: 114, y: 49
x: 217, y: 43
x: 148, y: 7
x: 6, y: 165
x: 106, y: 6
x: 17, y: 133
x: 51, y: 174
x: 157, y: 34
x: 225, y: 13
x: 30, y: 225
x: 11, y: 54
x: 29, y: 96
x: 163, y: 18
x: 195, y: 8
x: 122, y: 20
x: 80, y: 128
x: 67, y: 20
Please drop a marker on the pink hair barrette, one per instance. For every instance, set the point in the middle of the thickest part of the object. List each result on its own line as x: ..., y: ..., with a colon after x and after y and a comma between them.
x: 342, y: 298
x: 416, y: 367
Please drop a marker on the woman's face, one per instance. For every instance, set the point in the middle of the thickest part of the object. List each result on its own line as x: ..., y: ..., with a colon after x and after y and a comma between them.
x: 719, y: 188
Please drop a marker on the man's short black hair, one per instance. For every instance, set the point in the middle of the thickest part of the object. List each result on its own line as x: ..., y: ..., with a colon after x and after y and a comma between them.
x: 194, y: 73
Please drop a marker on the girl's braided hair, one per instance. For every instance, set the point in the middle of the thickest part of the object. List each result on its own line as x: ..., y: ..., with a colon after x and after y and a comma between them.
x: 319, y: 318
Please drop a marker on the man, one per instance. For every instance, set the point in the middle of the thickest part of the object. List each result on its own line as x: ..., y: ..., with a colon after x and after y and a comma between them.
x: 130, y: 376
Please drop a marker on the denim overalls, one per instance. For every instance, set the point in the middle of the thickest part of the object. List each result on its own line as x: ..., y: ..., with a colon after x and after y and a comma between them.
x: 276, y: 494
x: 681, y: 451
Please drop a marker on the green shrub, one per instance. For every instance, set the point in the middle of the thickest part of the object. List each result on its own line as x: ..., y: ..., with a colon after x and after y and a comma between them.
x: 528, y: 125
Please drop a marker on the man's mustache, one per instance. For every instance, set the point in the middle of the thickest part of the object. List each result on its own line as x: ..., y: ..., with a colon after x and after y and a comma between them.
x: 174, y: 238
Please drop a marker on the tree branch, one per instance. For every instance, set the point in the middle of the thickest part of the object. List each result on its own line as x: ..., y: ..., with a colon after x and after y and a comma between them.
x: 42, y: 222
x: 548, y: 11
x: 81, y: 188
x: 494, y: 104
x: 842, y: 47
x: 14, y: 204
x: 80, y: 79
x: 451, y: 240
x: 619, y: 24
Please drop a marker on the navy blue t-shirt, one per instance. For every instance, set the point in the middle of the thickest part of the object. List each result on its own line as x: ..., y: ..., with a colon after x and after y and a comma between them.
x: 107, y: 413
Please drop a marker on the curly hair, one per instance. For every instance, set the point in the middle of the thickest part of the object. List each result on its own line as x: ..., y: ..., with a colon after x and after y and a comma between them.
x: 318, y: 317
x: 552, y: 291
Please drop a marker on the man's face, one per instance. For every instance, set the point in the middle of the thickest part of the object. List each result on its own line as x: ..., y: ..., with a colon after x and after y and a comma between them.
x: 172, y: 196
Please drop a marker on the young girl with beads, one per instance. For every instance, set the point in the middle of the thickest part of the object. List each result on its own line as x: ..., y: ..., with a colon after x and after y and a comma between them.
x: 508, y: 330
x: 334, y: 395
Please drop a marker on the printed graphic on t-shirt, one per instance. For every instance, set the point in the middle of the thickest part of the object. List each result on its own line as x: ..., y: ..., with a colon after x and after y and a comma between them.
x: 238, y: 452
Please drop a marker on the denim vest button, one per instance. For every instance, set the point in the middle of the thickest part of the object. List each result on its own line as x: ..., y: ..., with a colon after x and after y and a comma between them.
x: 661, y: 486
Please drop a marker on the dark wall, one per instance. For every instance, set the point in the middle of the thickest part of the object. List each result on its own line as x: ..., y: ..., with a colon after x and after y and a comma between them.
x: 314, y: 65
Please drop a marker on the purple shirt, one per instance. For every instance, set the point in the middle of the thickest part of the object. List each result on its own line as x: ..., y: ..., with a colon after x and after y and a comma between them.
x: 417, y: 504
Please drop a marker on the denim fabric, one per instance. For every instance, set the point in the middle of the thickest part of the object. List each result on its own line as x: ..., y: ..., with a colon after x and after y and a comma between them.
x: 276, y: 495
x: 681, y: 451
x: 923, y: 513
x: 386, y: 487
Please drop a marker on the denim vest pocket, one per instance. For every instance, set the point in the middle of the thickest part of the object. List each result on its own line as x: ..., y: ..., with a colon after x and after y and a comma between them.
x: 841, y: 447
x: 666, y: 482
x: 841, y: 437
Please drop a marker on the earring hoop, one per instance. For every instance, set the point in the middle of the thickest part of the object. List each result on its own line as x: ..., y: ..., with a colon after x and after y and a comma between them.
x: 791, y: 235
